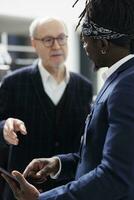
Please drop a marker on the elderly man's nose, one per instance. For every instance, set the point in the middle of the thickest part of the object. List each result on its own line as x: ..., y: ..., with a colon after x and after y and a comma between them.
x: 56, y: 44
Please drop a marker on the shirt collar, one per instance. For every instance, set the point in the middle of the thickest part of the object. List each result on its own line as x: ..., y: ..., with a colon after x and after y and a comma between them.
x: 46, y: 76
x: 115, y: 66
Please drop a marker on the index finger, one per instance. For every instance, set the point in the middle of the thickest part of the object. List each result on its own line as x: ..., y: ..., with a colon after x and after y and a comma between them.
x: 29, y: 170
x: 20, y: 126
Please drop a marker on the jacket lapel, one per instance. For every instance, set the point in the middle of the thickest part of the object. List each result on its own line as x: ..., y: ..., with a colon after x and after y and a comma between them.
x: 123, y: 67
x: 103, y: 92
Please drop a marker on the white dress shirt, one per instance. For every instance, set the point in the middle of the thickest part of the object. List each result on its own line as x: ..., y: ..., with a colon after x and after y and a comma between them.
x: 53, y: 89
x: 115, y: 66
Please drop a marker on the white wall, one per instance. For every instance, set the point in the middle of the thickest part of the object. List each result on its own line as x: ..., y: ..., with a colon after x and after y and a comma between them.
x: 33, y: 8
x: 50, y: 8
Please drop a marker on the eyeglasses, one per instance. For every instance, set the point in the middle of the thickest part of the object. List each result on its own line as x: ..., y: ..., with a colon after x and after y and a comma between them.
x: 49, y: 41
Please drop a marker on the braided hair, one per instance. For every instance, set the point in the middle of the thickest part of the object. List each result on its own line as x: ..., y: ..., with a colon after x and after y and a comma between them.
x: 116, y: 15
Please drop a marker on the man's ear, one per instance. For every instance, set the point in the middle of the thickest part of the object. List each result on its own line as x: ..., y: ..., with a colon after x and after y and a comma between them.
x: 103, y: 45
x: 33, y: 43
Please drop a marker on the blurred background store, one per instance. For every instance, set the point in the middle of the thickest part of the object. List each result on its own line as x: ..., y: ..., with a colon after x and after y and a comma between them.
x: 15, y: 18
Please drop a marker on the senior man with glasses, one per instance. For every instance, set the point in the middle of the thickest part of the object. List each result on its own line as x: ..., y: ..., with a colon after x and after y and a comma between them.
x: 43, y: 107
x: 49, y: 41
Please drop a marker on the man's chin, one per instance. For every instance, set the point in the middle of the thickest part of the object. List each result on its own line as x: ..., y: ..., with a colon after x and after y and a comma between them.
x: 58, y: 65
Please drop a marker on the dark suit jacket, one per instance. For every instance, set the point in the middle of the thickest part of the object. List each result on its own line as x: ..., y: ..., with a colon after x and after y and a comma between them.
x: 22, y: 96
x: 105, y: 166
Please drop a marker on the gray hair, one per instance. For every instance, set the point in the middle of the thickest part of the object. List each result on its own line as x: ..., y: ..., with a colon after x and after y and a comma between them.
x: 36, y: 22
x: 33, y: 27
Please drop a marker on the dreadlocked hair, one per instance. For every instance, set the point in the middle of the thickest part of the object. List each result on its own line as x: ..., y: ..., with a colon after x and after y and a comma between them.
x: 81, y: 16
x: 115, y: 15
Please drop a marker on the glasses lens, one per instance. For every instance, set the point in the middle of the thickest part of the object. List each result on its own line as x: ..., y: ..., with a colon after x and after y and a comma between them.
x: 62, y: 39
x: 48, y: 41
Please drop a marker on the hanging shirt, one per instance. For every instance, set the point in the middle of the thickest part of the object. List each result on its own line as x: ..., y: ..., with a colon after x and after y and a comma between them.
x: 53, y: 89
x: 115, y: 66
